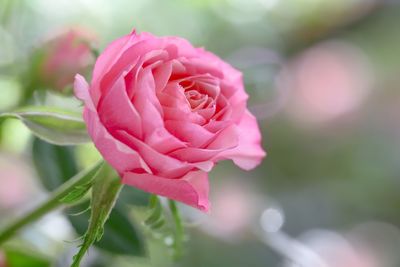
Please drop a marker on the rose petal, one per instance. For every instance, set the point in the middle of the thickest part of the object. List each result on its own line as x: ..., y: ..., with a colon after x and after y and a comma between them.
x: 161, y: 75
x: 161, y: 164
x: 117, y: 112
x: 225, y: 139
x: 198, y: 66
x: 248, y: 154
x: 145, y: 93
x: 194, y: 134
x: 81, y: 89
x: 119, y: 155
x: 175, y: 105
x: 173, y: 96
x: 182, y: 47
x: 127, y: 60
x: 106, y: 60
x: 192, y: 189
x: 151, y: 60
x: 230, y: 74
x: 151, y: 118
x: 238, y: 101
x: 110, y: 54
x: 114, y: 51
x: 181, y: 114
x: 215, y: 126
x: 162, y: 141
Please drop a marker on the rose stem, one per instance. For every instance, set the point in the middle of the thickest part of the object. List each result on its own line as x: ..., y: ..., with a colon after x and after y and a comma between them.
x: 179, y: 230
x: 50, y: 204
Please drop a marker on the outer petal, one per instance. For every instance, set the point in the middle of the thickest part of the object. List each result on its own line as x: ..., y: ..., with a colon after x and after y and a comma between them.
x: 117, y: 112
x: 81, y: 90
x: 106, y: 60
x: 203, y: 66
x: 126, y: 61
x: 192, y: 189
x: 225, y: 139
x: 180, y: 46
x: 163, y: 165
x: 231, y: 74
x: 119, y: 155
x: 110, y: 56
x: 248, y: 154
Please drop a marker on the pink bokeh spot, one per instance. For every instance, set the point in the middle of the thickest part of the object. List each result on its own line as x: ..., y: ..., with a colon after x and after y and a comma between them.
x: 20, y: 187
x: 327, y: 81
x: 2, y: 260
x: 232, y: 220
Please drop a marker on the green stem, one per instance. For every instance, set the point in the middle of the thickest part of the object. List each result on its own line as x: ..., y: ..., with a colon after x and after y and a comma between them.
x: 50, y: 204
x: 105, y: 191
x: 179, y: 229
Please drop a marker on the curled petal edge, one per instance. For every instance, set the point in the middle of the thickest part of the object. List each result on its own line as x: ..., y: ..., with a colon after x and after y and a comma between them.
x: 192, y: 189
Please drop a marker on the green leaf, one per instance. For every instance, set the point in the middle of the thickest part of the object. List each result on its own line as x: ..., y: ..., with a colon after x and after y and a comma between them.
x: 121, y: 235
x: 54, y: 164
x: 54, y: 125
x: 105, y: 192
x: 24, y: 258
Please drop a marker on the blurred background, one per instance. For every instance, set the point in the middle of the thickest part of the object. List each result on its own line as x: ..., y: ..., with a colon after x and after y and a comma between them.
x: 324, y: 82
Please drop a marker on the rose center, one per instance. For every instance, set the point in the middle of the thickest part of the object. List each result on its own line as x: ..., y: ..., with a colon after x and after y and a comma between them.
x: 196, y: 96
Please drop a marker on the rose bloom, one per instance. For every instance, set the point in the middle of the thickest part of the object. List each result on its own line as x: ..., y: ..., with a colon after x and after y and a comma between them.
x: 162, y: 113
x: 64, y: 55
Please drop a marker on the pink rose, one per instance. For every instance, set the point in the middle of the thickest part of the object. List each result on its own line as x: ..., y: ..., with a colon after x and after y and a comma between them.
x: 64, y: 55
x: 162, y: 113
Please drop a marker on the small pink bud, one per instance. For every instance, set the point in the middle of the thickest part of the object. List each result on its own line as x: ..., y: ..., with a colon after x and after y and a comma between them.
x: 64, y: 55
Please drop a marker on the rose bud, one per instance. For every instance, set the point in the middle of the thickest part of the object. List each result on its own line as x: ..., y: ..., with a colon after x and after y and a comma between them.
x: 162, y: 113
x: 61, y: 57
